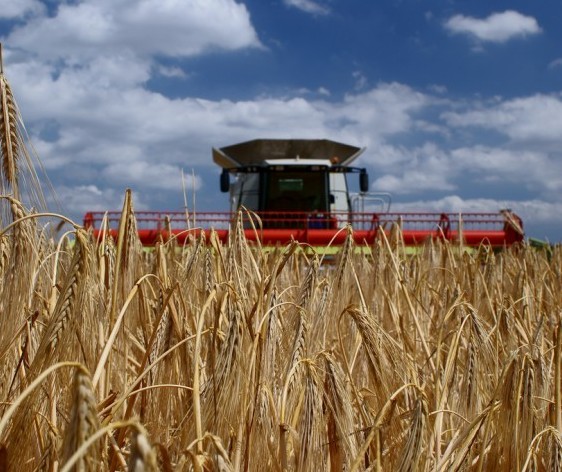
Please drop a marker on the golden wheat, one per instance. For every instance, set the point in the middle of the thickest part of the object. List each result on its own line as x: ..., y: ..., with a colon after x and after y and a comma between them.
x: 235, y: 358
x: 230, y: 357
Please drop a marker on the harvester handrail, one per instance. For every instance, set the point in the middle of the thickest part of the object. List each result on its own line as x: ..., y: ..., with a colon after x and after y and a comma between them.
x: 358, y: 200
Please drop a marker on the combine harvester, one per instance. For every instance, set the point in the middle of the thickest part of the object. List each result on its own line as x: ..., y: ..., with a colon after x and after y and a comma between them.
x: 299, y: 190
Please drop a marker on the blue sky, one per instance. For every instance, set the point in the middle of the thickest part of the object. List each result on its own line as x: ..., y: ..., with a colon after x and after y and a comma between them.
x: 459, y: 103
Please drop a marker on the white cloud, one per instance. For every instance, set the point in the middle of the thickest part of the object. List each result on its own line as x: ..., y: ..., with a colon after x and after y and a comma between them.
x: 175, y: 72
x: 532, y: 211
x: 533, y: 118
x: 150, y: 175
x: 497, y: 28
x: 81, y: 31
x: 383, y: 110
x: 406, y: 171
x: 455, y: 204
x: 412, y: 182
x: 16, y: 9
x: 83, y: 198
x: 533, y: 170
x: 308, y: 6
x: 495, y: 170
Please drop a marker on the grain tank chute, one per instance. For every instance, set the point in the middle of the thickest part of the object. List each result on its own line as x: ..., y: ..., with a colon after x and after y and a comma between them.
x: 300, y: 190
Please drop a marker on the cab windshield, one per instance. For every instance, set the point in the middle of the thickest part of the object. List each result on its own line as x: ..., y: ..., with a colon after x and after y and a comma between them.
x: 296, y: 191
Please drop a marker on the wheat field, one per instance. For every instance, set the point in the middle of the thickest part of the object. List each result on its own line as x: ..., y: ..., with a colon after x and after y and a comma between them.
x: 231, y: 358
x: 210, y: 357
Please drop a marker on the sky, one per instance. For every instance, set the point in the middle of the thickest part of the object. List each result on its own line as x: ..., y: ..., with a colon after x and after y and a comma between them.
x: 458, y: 103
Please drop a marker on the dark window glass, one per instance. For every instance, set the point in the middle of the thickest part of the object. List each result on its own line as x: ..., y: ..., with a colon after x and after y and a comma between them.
x: 296, y: 191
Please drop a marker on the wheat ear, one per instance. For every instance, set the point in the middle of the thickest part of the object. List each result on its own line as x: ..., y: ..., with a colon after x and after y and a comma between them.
x: 84, y: 422
x: 10, y: 139
x: 143, y: 456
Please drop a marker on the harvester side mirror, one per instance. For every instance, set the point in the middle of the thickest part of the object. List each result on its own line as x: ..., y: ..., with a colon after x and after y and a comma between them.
x: 225, y: 181
x: 364, y: 181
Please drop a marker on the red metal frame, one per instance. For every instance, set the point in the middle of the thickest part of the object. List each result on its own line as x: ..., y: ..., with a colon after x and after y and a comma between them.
x: 321, y: 229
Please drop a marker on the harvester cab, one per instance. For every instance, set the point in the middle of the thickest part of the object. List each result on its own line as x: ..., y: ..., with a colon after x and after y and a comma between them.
x: 291, y: 180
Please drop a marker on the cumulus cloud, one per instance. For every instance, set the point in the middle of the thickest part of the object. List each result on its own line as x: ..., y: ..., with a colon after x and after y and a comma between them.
x: 384, y: 110
x: 496, y: 28
x: 308, y: 6
x: 407, y: 171
x: 104, y: 124
x: 493, y: 170
x: 537, y: 171
x: 175, y: 72
x: 150, y: 175
x: 78, y: 31
x: 533, y: 211
x: 456, y: 204
x: 11, y: 9
x: 83, y: 198
x: 534, y: 118
x: 413, y: 181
